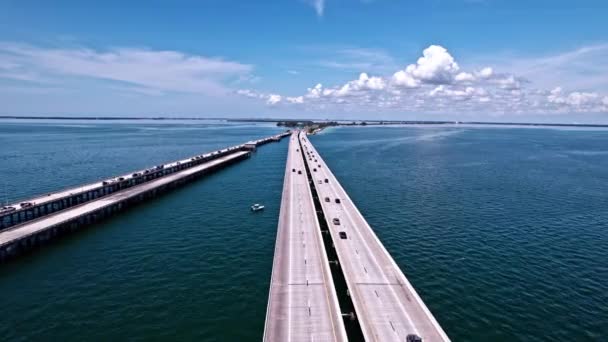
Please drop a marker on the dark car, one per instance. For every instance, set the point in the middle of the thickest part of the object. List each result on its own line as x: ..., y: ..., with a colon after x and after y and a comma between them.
x: 336, y: 221
x: 413, y: 338
x: 326, y: 180
x: 327, y: 199
x: 293, y: 170
x: 338, y: 200
x: 299, y: 172
x: 315, y: 170
x: 343, y: 235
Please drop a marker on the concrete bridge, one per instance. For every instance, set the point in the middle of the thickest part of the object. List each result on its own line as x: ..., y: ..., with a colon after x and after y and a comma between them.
x: 30, y: 223
x: 385, y: 305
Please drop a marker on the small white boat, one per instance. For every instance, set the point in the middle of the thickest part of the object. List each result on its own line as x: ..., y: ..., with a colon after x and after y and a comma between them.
x: 257, y: 207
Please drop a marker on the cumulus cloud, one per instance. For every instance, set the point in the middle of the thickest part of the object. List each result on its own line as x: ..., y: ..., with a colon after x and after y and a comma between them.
x: 436, y: 66
x: 580, y: 101
x: 161, y: 70
x: 436, y: 83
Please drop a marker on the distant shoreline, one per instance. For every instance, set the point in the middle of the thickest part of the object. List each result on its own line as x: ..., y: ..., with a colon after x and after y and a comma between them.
x: 340, y: 122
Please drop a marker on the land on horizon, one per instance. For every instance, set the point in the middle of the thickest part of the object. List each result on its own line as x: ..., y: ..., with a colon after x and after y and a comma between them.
x: 285, y: 122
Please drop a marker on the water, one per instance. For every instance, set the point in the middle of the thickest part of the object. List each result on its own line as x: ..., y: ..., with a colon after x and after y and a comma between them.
x: 501, y: 230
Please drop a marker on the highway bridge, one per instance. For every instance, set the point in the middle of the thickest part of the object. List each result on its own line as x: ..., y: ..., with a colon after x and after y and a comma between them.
x: 302, y: 304
x: 30, y: 223
x: 387, y: 308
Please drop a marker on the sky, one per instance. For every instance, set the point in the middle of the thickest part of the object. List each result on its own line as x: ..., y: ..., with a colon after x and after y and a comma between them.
x: 482, y: 60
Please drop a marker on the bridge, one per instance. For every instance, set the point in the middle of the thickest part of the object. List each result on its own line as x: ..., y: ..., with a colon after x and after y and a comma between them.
x: 387, y: 308
x: 302, y: 304
x: 30, y: 223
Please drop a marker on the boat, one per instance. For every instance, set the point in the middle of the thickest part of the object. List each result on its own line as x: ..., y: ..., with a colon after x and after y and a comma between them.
x: 257, y: 207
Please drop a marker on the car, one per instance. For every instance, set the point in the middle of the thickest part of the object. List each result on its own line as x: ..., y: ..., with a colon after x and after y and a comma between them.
x: 136, y: 174
x: 343, y: 235
x: 413, y: 338
x: 299, y: 172
x: 338, y: 200
x: 293, y: 170
x: 105, y: 183
x: 336, y: 221
x: 319, y: 165
x: 26, y: 204
x: 320, y: 181
x: 121, y: 178
x: 315, y: 170
x: 327, y: 199
x: 7, y: 209
x: 326, y: 180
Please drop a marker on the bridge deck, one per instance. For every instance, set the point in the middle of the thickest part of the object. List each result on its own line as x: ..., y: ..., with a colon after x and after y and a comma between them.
x: 302, y: 304
x: 387, y: 306
x: 34, y: 226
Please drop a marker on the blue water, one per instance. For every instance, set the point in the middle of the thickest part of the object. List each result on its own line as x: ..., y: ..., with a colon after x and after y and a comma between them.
x: 501, y: 230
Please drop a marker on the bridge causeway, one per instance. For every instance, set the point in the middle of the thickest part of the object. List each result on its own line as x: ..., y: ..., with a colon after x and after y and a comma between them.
x: 302, y: 303
x: 43, y: 218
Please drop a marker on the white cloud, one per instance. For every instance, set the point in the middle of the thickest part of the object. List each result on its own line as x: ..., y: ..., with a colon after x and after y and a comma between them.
x: 318, y: 5
x: 297, y: 99
x: 584, y: 67
x: 464, y: 77
x: 486, y: 72
x: 436, y: 83
x: 436, y: 66
x: 154, y: 69
x: 273, y: 99
x: 575, y: 99
x: 402, y: 78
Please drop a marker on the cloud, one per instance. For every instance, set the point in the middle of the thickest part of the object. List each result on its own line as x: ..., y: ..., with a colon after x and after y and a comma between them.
x: 437, y: 84
x: 318, y: 5
x: 159, y: 70
x: 577, y: 100
x: 273, y: 99
x: 436, y: 66
x: 582, y: 68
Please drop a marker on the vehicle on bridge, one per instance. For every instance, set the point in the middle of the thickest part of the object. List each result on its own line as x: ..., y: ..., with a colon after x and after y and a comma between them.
x: 7, y: 209
x: 26, y: 204
x: 336, y: 221
x: 413, y: 338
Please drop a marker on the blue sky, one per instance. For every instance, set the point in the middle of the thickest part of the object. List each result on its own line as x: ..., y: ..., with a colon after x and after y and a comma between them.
x: 493, y: 60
